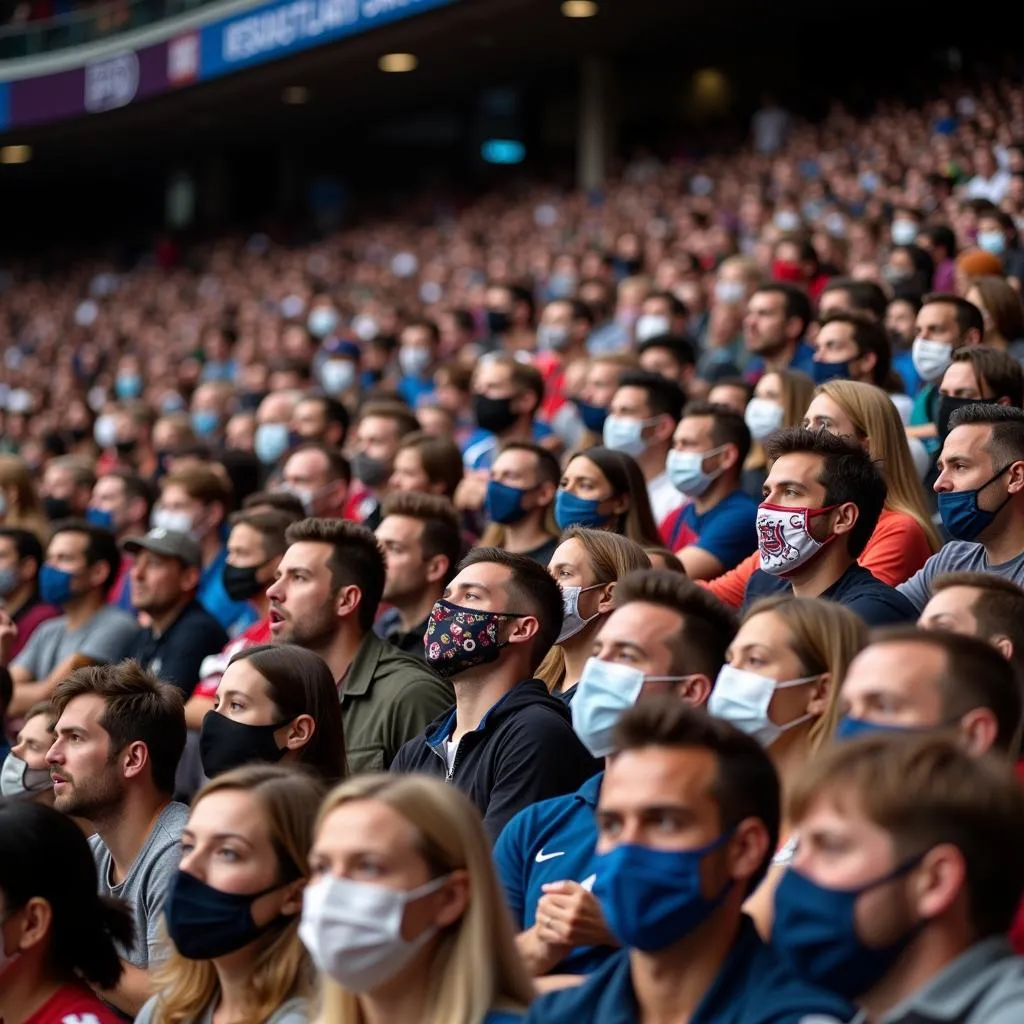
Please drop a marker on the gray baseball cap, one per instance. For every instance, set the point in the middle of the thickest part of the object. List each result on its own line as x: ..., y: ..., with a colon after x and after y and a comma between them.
x: 169, y: 543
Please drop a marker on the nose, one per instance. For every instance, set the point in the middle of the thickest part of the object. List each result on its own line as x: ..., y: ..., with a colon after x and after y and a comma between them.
x: 274, y: 590
x: 54, y: 754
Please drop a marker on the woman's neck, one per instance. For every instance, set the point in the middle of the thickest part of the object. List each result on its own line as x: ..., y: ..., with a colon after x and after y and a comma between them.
x: 790, y: 752
x: 234, y: 979
x: 577, y: 651
x: 402, y: 998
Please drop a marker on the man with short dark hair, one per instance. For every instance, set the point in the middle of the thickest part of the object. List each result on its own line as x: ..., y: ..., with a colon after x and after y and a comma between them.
x: 325, y: 597
x: 81, y: 566
x: 507, y: 743
x: 381, y: 426
x: 716, y: 529
x: 847, y: 294
x: 661, y: 314
x: 118, y: 736
x: 418, y: 349
x: 666, y: 636
x: 21, y: 558
x: 852, y: 346
x: 321, y: 419
x: 121, y: 502
x: 822, y: 500
x: 777, y: 319
x: 319, y: 476
x: 672, y: 356
x: 978, y: 375
x: 687, y: 823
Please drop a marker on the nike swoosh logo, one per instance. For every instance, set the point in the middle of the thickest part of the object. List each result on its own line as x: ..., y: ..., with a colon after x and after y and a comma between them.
x: 542, y: 856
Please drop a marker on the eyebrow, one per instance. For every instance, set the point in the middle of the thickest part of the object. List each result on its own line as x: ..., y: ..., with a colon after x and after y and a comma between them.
x: 472, y: 586
x: 70, y: 730
x: 627, y: 644
x: 218, y: 836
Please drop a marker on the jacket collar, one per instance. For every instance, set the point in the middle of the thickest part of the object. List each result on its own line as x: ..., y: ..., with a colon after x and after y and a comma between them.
x: 357, y: 680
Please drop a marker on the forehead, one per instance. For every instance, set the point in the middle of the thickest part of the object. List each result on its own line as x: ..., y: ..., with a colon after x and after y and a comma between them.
x: 306, y: 463
x: 310, y: 555
x: 960, y: 374
x: 244, y: 536
x: 109, y: 485
x: 768, y: 302
x: 569, y: 552
x: 695, y: 426
x: 492, y: 373
x: 515, y: 461
x: 68, y: 543
x: 376, y: 425
x: 802, y: 467
x: 400, y: 528
x: 604, y: 372
x: 309, y: 407
x: 581, y: 466
x: 630, y: 396
x: 823, y: 405
x: 359, y: 824
x: 232, y: 810
x: 953, y: 601
x: 487, y: 574
x: 642, y: 624
x: 970, y: 439
x: 659, y: 776
x: 881, y: 666
x: 242, y: 675
x: 937, y: 313
x: 82, y: 712
x: 835, y: 331
x: 833, y: 300
x: 767, y: 629
x: 176, y: 493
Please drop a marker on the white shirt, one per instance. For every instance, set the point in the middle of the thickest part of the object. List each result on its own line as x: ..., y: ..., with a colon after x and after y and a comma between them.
x: 664, y: 498
x: 993, y: 189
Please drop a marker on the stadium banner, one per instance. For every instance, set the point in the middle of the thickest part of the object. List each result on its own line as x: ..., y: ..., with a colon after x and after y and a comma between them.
x: 101, y: 85
x: 288, y: 26
x: 5, y: 106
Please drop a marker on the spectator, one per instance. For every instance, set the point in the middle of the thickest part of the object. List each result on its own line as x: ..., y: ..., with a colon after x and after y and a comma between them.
x: 122, y: 503
x: 25, y: 772
x: 119, y: 734
x: 670, y: 356
x: 777, y: 319
x: 506, y: 743
x: 319, y: 476
x: 661, y: 314
x: 733, y: 392
x: 426, y: 463
x: 1002, y: 313
x: 978, y: 375
x: 380, y: 430
x: 66, y: 487
x: 21, y: 507
x: 21, y: 559
x: 273, y: 424
x: 325, y: 598
x: 418, y: 353
x: 847, y: 295
x: 81, y: 566
x: 321, y: 419
x: 600, y: 384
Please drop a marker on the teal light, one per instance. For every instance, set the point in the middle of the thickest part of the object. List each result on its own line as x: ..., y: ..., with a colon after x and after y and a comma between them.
x: 503, y: 151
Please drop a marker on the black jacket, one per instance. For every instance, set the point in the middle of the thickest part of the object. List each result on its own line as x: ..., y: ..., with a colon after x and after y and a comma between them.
x: 523, y: 751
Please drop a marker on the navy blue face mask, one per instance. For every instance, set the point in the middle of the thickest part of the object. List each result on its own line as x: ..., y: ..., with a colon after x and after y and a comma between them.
x: 822, y: 373
x: 205, y: 923
x: 652, y: 898
x: 815, y: 930
x: 960, y: 514
x: 593, y: 416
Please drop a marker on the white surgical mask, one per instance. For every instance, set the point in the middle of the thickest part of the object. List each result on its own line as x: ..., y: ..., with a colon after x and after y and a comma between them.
x: 414, y: 361
x: 16, y: 778
x: 763, y: 416
x: 104, y: 431
x: 353, y: 930
x: 730, y: 293
x: 784, y: 539
x: 787, y: 220
x: 625, y: 434
x: 743, y: 698
x: 903, y: 232
x: 650, y: 325
x: 605, y: 690
x: 931, y: 359
x: 176, y: 522
x: 322, y: 321
x: 686, y: 471
x: 552, y: 337
x: 572, y: 621
x: 337, y: 376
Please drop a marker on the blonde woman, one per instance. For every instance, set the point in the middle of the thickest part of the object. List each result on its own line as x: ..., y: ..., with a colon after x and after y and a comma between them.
x: 20, y: 507
x: 232, y: 911
x: 904, y: 538
x: 586, y: 565
x: 404, y: 915
x: 780, y: 684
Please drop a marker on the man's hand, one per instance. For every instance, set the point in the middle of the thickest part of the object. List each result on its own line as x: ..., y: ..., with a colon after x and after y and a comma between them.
x: 472, y: 489
x: 569, y: 915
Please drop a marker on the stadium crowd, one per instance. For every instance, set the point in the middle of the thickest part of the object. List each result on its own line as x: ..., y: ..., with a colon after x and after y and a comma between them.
x: 557, y: 607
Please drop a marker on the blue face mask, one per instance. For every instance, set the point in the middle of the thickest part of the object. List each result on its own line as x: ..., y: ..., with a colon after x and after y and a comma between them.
x: 652, y: 898
x: 593, y: 416
x: 504, y: 504
x: 822, y: 373
x: 849, y: 728
x: 204, y: 422
x: 992, y: 241
x: 55, y: 585
x: 815, y: 930
x: 100, y: 517
x: 573, y: 511
x: 960, y: 514
x: 128, y: 385
x: 271, y: 442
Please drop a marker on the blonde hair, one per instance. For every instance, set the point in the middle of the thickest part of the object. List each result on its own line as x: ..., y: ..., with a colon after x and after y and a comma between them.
x: 25, y: 512
x: 476, y: 965
x: 826, y: 637
x: 797, y: 392
x: 875, y: 418
x: 610, y: 556
x: 281, y: 968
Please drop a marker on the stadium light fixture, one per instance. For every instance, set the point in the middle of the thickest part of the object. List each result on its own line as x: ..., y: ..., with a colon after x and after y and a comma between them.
x: 398, y: 63
x: 295, y: 95
x: 15, y: 154
x: 579, y: 8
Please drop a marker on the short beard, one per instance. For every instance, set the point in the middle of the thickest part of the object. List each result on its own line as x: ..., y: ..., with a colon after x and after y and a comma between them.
x: 315, y: 632
x: 98, y: 801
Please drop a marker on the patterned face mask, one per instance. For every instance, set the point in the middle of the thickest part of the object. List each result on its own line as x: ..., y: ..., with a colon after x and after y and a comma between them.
x: 460, y: 638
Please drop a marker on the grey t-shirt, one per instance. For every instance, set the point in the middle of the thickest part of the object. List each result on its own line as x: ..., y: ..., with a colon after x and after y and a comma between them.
x: 145, y: 885
x: 105, y: 638
x: 295, y: 1011
x: 956, y: 556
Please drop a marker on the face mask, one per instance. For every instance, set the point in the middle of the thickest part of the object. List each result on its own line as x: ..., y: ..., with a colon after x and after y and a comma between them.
x: 414, y: 361
x: 652, y: 898
x: 322, y: 321
x: 56, y: 508
x: 127, y: 385
x: 494, y: 414
x: 903, y: 232
x: 100, y: 517
x: 730, y: 293
x: 337, y: 376
x: 787, y: 220
x: 822, y: 373
x: 561, y: 286
x: 605, y: 690
x: 17, y: 779
x: 104, y: 431
x: 225, y: 744
x: 848, y: 728
x: 650, y: 325
x: 762, y: 417
x: 271, y: 442
x: 55, y: 585
x: 947, y: 406
x: 126, y: 448
x: 552, y: 338
x: 593, y: 416
x: 572, y: 621
x: 497, y: 322
x: 686, y: 471
x: 205, y: 422
x: 504, y: 504
x: 205, y: 923
x: 815, y: 930
x: 992, y: 241
x: 573, y: 511
x: 249, y: 401
x: 960, y: 514
x: 240, y: 583
x: 787, y: 271
x: 784, y: 537
x: 931, y: 359
x: 743, y: 698
x: 176, y: 522
x: 9, y: 582
x: 625, y: 434
x: 368, y: 470
x: 458, y: 639
x: 353, y: 930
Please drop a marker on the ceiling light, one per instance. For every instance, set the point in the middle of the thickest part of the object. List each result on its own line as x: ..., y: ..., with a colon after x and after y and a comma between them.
x: 15, y: 154
x: 396, y: 63
x: 579, y: 8
x: 295, y: 95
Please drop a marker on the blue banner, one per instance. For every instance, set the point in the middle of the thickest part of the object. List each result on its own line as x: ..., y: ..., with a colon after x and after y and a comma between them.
x: 5, y: 105
x: 289, y: 26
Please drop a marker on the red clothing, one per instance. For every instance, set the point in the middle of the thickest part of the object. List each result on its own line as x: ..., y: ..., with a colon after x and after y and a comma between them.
x: 359, y: 504
x: 73, y: 1004
x: 28, y: 620
x: 675, y: 534
x: 213, y: 667
x: 1017, y: 928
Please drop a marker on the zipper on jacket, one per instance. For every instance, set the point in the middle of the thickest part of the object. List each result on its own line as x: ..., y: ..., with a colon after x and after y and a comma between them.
x: 449, y: 773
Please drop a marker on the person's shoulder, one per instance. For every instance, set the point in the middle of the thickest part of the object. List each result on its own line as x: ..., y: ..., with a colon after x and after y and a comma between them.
x: 294, y: 1011
x: 783, y: 998
x: 75, y: 1004
x: 110, y: 615
x: 173, y: 818
x: 605, y: 988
